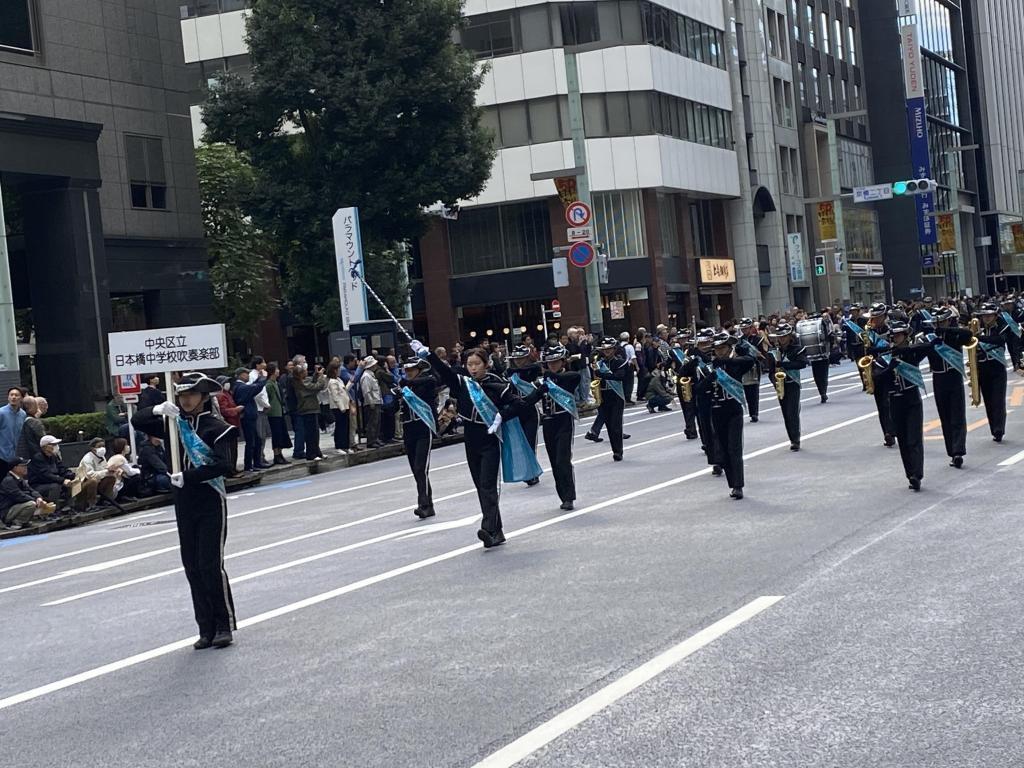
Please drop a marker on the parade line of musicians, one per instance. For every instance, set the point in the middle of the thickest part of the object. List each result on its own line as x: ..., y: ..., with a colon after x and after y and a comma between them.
x: 716, y: 375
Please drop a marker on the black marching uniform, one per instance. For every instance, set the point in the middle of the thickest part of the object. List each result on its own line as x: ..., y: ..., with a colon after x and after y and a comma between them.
x: 727, y: 419
x: 820, y: 365
x: 792, y: 358
x: 688, y: 407
x: 948, y: 386
x: 612, y: 406
x: 906, y: 407
x: 483, y: 451
x: 558, y: 426
x: 992, y: 375
x: 418, y: 439
x: 881, y: 394
x: 202, y: 517
x: 1013, y: 341
x: 529, y: 418
x: 698, y: 369
x: 753, y: 346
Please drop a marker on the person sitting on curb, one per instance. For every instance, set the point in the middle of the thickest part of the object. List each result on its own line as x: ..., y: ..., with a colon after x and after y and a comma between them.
x: 48, y: 475
x: 95, y: 479
x: 153, y: 461
x: 19, y: 504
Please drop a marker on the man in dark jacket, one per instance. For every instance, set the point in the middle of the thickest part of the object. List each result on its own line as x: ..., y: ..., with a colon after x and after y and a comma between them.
x: 245, y: 393
x: 18, y: 502
x: 47, y: 474
x: 32, y: 430
x: 153, y: 463
x: 151, y: 395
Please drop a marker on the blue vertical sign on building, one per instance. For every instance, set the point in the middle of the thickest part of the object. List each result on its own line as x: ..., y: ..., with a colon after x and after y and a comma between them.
x: 917, y: 128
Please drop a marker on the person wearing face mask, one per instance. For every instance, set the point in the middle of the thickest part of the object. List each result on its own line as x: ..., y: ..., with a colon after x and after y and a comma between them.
x: 231, y: 412
x: 95, y: 478
x: 47, y: 473
x: 200, y: 501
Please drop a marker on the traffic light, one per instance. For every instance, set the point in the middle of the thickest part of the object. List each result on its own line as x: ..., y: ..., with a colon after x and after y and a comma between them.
x: 819, y: 265
x: 913, y: 187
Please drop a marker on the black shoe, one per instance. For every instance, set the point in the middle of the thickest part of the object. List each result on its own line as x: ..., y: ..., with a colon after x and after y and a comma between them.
x: 594, y: 438
x: 626, y: 437
x: 915, y: 484
x: 423, y: 514
x: 958, y: 462
x: 998, y: 437
x: 889, y: 441
x: 794, y: 446
x: 650, y: 409
x: 631, y: 402
x: 716, y: 471
x: 616, y: 457
x: 567, y: 506
x: 533, y: 482
x: 690, y: 435
x: 753, y: 419
x: 489, y: 540
x: 263, y: 466
x: 736, y: 493
x: 222, y: 639
x: 203, y: 643
x: 280, y: 460
x: 824, y: 398
x: 664, y: 409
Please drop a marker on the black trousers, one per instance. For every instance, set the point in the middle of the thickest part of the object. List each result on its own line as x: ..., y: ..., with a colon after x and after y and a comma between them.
x: 908, y: 423
x: 609, y: 413
x: 253, y: 444
x: 689, y: 417
x: 884, y: 414
x: 202, y: 517
x: 1013, y: 346
x: 992, y: 377
x: 791, y: 410
x: 643, y: 381
x: 483, y: 454
x: 558, y: 434
x: 311, y: 434
x: 627, y: 385
x: 530, y: 422
x: 728, y: 425
x: 417, y: 438
x: 753, y: 395
x: 820, y: 370
x: 951, y: 404
x: 340, y: 428
x: 706, y: 428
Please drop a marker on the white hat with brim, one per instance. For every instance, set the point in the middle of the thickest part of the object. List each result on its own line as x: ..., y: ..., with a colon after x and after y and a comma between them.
x: 369, y: 361
x: 46, y: 440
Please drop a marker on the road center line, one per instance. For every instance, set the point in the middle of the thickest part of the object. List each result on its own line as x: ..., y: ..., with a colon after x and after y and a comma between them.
x: 565, y: 721
x: 284, y: 610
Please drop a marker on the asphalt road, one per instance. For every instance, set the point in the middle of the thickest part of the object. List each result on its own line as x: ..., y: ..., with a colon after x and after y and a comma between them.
x: 831, y: 618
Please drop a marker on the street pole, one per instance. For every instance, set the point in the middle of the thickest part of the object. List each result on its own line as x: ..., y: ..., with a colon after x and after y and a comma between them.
x: 837, y: 195
x: 8, y: 329
x: 954, y: 207
x: 592, y: 286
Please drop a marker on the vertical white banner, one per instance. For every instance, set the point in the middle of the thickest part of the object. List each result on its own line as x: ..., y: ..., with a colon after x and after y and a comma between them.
x: 795, y: 247
x: 912, y: 75
x: 348, y: 253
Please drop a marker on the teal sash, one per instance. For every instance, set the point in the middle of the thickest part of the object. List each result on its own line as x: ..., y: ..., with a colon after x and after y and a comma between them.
x: 994, y: 352
x: 525, y: 388
x: 199, y: 453
x: 678, y: 354
x: 518, y: 459
x: 616, y: 386
x: 853, y: 326
x: 562, y: 398
x: 954, y: 357
x: 910, y: 373
x: 420, y: 409
x: 793, y: 375
x: 732, y: 387
x: 1011, y: 323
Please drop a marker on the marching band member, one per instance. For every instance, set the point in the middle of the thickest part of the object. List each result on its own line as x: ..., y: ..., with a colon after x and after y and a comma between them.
x: 900, y: 374
x: 200, y: 501
x: 755, y: 345
x: 521, y: 373
x: 791, y: 359
x: 677, y: 359
x: 820, y: 366
x: 727, y: 397
x: 698, y: 369
x: 558, y: 418
x: 946, y: 358
x: 992, y: 367
x: 878, y: 329
x: 417, y: 393
x: 922, y: 318
x: 1012, y: 315
x: 487, y: 403
x: 611, y: 369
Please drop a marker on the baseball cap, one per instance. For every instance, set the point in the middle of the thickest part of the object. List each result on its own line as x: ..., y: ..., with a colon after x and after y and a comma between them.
x: 48, y: 440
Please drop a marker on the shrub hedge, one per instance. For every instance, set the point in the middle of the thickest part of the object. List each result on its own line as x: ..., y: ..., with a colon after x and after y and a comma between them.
x: 67, y: 426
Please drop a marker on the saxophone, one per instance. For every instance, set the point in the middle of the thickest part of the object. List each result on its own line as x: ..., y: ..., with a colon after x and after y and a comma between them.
x: 595, y: 384
x: 972, y: 361
x: 780, y: 375
x: 865, y: 364
x: 686, y: 388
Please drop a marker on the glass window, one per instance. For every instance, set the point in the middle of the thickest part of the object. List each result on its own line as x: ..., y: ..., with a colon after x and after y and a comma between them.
x: 475, y: 241
x: 579, y: 23
x: 526, y: 234
x: 796, y: 20
x: 824, y: 32
x: 490, y: 34
x: 632, y: 26
x: 618, y: 114
x: 535, y: 28
x: 489, y: 120
x: 839, y: 37
x: 608, y: 21
x: 515, y: 131
x: 640, y: 114
x: 16, y: 25
x: 810, y: 24
x: 851, y: 46
x: 544, y: 122
x: 595, y: 123
x: 619, y: 223
x: 147, y: 176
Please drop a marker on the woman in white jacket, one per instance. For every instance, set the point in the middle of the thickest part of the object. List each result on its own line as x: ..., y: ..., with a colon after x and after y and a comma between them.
x: 340, y: 403
x: 93, y: 477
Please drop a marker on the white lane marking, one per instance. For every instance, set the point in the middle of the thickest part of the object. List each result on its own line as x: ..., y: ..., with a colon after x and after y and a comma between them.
x: 1013, y: 459
x: 547, y: 732
x: 284, y: 610
x: 95, y: 568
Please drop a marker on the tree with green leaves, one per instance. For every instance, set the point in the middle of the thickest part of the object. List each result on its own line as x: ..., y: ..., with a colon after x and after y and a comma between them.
x: 366, y: 103
x: 240, y: 269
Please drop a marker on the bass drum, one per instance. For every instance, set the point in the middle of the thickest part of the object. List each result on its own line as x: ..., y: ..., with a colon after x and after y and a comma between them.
x: 811, y: 335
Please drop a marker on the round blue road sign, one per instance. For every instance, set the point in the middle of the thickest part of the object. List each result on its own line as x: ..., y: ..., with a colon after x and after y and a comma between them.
x: 581, y: 254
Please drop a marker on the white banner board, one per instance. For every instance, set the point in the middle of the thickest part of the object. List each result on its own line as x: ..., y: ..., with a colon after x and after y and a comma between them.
x: 348, y: 254
x: 189, y: 348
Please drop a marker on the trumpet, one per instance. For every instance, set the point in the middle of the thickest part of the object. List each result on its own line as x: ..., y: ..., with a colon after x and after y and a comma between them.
x: 972, y: 361
x: 865, y: 365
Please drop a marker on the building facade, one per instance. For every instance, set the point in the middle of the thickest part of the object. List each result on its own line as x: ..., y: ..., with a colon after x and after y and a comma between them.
x: 97, y: 167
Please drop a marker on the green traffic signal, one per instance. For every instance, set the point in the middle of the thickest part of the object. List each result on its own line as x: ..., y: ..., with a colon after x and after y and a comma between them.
x: 819, y: 270
x: 899, y: 188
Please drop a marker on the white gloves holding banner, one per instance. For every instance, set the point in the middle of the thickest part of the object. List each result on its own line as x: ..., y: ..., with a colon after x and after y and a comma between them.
x: 495, y: 426
x: 166, y: 409
x: 418, y: 348
x: 178, y: 480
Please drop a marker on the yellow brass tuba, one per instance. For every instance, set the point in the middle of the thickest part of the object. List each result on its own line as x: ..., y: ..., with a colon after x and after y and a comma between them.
x: 972, y: 362
x: 865, y: 364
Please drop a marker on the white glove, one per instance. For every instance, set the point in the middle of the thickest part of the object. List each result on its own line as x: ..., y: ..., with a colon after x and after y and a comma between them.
x: 495, y: 426
x: 418, y: 348
x: 166, y: 408
x: 178, y: 480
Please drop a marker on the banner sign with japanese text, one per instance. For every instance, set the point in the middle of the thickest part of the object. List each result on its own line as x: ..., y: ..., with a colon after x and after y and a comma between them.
x: 189, y: 348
